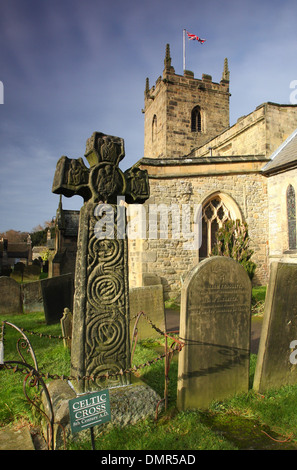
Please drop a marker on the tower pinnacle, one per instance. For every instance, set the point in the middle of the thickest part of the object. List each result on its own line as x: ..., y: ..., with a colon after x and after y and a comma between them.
x: 167, y: 60
x: 226, y: 72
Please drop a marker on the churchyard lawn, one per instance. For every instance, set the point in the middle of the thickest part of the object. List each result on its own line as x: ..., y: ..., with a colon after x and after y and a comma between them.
x: 247, y: 421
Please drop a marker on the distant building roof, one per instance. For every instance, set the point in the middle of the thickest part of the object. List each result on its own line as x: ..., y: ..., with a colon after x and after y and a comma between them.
x: 15, y: 250
x: 284, y: 157
x: 67, y: 220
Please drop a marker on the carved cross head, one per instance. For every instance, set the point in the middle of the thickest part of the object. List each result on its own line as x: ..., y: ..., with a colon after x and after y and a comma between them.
x: 103, y: 181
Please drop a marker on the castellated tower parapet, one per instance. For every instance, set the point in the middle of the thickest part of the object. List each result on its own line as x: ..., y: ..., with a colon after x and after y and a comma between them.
x: 182, y: 113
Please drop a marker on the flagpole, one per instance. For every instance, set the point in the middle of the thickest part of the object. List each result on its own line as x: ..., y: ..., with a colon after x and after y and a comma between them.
x: 184, y: 49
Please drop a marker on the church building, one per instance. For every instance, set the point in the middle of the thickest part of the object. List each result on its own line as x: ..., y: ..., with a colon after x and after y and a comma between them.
x: 195, y: 159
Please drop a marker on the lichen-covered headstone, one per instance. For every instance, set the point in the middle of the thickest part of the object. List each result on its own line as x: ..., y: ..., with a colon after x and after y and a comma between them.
x: 100, y: 337
x: 150, y: 301
x: 276, y: 364
x: 10, y: 296
x: 215, y: 326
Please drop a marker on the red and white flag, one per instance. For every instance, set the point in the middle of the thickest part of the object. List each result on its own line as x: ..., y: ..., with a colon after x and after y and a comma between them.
x: 193, y: 37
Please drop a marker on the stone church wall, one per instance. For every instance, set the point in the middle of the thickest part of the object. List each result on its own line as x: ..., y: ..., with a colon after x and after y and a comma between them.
x: 246, y: 137
x: 168, y: 108
x: 259, y: 133
x: 231, y: 165
x: 277, y: 186
x: 167, y: 257
x: 281, y: 122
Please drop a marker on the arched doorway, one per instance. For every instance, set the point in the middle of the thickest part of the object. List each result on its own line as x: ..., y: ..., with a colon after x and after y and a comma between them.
x: 216, y: 209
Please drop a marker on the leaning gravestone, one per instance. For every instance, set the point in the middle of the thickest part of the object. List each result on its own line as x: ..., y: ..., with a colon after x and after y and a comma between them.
x: 275, y: 366
x: 215, y: 325
x: 150, y: 301
x: 100, y: 340
x: 10, y: 296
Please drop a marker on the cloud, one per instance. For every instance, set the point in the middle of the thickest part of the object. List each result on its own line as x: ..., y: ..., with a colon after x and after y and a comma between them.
x: 70, y: 68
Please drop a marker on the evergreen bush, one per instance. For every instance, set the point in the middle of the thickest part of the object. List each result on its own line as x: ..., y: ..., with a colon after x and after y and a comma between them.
x: 232, y: 240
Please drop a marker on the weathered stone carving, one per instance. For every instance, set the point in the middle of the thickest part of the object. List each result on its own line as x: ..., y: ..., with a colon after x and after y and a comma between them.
x: 104, y: 181
x: 100, y: 338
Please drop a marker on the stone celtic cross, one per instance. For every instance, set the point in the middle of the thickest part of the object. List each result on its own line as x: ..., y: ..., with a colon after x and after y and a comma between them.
x: 100, y: 335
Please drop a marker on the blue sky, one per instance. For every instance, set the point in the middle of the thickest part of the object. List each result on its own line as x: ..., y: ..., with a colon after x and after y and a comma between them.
x: 72, y: 67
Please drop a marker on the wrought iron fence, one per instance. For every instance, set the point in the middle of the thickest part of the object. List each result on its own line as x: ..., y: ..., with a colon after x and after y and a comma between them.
x: 36, y: 378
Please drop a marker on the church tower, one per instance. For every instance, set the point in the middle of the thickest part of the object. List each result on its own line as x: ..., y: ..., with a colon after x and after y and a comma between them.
x: 182, y: 113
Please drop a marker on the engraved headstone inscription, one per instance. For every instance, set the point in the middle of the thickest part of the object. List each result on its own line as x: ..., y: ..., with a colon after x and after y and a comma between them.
x: 100, y: 336
x: 215, y: 326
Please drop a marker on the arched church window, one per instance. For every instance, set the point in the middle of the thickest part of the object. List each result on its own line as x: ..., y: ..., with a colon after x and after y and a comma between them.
x: 291, y: 215
x: 214, y: 214
x: 196, y: 125
x: 154, y: 129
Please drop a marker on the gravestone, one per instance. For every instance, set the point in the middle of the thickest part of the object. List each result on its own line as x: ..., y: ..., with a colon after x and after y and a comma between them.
x: 10, y: 296
x: 19, y: 269
x: 215, y: 325
x: 32, y: 296
x: 66, y: 327
x: 275, y: 366
x: 32, y: 271
x: 57, y: 294
x: 150, y: 301
x: 150, y: 279
x: 100, y: 338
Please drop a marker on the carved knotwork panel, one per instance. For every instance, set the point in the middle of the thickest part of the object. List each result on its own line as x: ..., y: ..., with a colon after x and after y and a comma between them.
x: 100, y: 337
x: 107, y: 309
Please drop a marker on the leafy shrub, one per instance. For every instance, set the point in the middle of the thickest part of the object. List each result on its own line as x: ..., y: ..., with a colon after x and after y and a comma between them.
x: 232, y: 240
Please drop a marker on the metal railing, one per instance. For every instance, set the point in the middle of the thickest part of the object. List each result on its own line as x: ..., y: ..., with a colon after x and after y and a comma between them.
x: 35, y: 378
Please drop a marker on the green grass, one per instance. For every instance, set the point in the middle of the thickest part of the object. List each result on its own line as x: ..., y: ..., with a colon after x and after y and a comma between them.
x: 51, y: 356
x: 27, y: 277
x: 259, y: 293
x: 245, y: 421
x: 172, y: 304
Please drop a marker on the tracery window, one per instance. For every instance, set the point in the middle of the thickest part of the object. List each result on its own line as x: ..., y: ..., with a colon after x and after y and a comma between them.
x: 214, y: 214
x: 291, y: 216
x: 196, y: 123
